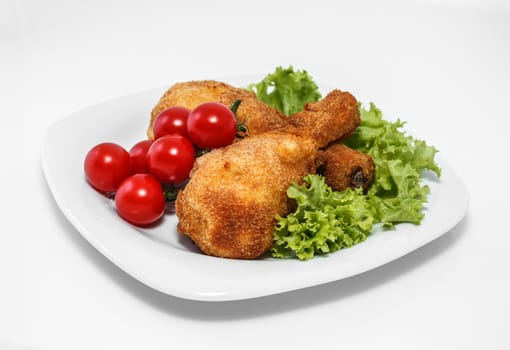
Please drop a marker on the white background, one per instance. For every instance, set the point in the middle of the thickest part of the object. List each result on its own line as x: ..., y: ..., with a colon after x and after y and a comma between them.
x: 444, y: 66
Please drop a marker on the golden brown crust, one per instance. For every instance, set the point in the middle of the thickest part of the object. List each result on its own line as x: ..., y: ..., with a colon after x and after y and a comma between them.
x: 230, y: 204
x: 257, y: 116
x: 345, y: 167
x: 334, y: 117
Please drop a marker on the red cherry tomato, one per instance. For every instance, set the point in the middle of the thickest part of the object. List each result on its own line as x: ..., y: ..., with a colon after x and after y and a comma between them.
x: 170, y: 158
x: 171, y: 121
x: 140, y: 199
x: 106, y: 166
x: 138, y: 155
x: 211, y: 125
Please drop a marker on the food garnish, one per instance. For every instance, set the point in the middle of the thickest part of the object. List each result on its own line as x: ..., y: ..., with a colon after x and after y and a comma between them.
x: 326, y: 221
x: 286, y: 89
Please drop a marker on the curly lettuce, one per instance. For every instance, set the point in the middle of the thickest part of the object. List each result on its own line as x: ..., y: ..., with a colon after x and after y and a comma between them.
x: 400, y: 160
x: 286, y: 89
x: 326, y: 221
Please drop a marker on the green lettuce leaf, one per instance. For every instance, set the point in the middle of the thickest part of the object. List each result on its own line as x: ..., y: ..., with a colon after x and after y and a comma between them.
x: 286, y: 89
x: 400, y: 160
x: 326, y: 221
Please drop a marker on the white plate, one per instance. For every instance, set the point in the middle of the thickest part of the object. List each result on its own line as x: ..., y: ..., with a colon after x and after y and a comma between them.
x: 163, y: 260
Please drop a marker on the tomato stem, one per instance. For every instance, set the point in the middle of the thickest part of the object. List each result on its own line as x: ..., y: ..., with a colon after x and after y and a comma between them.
x: 170, y: 193
x: 242, y: 130
x: 201, y: 151
x: 234, y: 106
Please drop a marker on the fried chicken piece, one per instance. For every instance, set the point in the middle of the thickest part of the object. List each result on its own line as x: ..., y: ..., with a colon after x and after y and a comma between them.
x: 345, y: 167
x: 229, y: 206
x: 332, y: 118
x: 342, y: 166
x: 257, y: 116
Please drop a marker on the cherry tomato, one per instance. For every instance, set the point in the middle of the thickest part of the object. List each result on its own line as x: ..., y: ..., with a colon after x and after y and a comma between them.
x: 106, y: 166
x: 170, y: 158
x: 171, y: 121
x: 211, y: 125
x: 140, y: 199
x: 138, y: 154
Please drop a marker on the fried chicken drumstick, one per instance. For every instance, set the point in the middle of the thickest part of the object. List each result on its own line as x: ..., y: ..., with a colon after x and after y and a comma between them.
x: 345, y: 167
x: 230, y: 204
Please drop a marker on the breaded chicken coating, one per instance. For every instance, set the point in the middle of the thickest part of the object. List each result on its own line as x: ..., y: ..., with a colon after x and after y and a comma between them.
x: 345, y: 167
x: 334, y: 117
x: 257, y: 116
x: 229, y: 206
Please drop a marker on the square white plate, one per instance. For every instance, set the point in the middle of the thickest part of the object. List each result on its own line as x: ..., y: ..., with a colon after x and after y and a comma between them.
x: 167, y: 262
